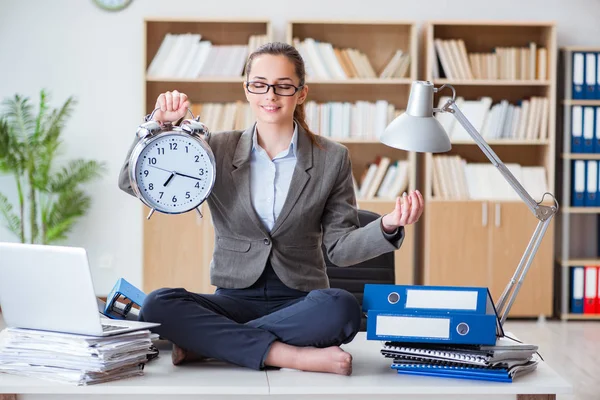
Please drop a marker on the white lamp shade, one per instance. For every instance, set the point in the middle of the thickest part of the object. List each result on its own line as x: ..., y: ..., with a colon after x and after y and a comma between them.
x: 420, y: 134
x: 417, y: 129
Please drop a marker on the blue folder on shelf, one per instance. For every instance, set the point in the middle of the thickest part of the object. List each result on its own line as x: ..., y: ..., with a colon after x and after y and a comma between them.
x: 431, y: 314
x: 495, y: 375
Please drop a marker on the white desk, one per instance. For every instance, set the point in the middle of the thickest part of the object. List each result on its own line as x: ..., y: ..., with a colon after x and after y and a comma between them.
x: 372, y: 378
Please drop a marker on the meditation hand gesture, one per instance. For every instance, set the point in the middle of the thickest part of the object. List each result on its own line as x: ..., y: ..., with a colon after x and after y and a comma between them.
x: 408, y: 210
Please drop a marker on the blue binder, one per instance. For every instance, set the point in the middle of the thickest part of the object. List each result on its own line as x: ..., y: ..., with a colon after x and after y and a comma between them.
x: 589, y: 125
x: 576, y: 129
x: 591, y: 184
x: 446, y: 328
x: 415, y: 298
x: 578, y: 183
x: 125, y: 293
x: 577, y: 288
x: 578, y: 75
x: 431, y: 314
x: 590, y: 76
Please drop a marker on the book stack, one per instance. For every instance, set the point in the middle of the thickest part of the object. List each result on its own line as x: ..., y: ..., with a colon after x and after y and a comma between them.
x: 503, y: 362
x: 74, y: 359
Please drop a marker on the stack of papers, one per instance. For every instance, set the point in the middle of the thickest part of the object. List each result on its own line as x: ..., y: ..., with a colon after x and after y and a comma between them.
x: 74, y: 359
x: 503, y: 362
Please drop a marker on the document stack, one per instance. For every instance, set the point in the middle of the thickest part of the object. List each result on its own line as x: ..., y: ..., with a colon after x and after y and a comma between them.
x: 502, y: 362
x: 74, y: 359
x: 444, y: 331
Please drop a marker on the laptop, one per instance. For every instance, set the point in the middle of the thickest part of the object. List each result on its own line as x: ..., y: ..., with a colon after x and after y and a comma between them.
x: 50, y: 288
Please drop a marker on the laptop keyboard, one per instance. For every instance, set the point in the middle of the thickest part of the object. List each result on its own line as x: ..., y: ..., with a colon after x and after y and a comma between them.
x: 110, y: 328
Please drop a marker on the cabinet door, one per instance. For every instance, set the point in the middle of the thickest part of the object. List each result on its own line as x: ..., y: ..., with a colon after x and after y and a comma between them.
x: 456, y: 243
x: 512, y: 225
x: 177, y: 251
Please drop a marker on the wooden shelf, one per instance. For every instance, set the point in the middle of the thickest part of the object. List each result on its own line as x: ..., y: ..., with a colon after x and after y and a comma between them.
x: 575, y: 262
x: 580, y: 316
x: 505, y: 142
x: 497, y: 231
x: 206, y: 79
x: 581, y: 102
x: 491, y: 82
x: 581, y: 156
x: 581, y: 210
x: 361, y: 81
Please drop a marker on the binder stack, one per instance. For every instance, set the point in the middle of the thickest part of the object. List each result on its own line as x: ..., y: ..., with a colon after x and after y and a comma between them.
x: 74, y: 359
x: 444, y: 331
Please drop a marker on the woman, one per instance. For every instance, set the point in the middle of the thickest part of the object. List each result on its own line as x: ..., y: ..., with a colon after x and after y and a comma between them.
x: 280, y: 192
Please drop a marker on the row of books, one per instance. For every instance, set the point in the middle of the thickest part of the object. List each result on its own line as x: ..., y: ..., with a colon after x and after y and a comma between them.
x: 585, y: 283
x: 75, y: 359
x: 345, y: 120
x: 527, y: 120
x: 383, y: 179
x: 360, y: 120
x: 186, y: 56
x: 324, y: 61
x: 510, y: 63
x: 455, y: 179
x: 585, y: 183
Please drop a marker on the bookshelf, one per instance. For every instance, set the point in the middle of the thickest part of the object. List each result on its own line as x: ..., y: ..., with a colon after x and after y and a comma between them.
x: 177, y: 249
x: 479, y: 240
x: 579, y: 219
x: 378, y: 41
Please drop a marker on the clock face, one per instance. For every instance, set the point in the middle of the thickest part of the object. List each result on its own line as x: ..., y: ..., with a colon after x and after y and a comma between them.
x: 174, y: 173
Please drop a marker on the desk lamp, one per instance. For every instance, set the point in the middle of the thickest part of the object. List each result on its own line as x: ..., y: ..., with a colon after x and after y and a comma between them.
x: 417, y: 130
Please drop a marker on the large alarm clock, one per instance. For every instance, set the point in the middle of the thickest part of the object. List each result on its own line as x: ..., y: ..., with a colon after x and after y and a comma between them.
x: 172, y: 168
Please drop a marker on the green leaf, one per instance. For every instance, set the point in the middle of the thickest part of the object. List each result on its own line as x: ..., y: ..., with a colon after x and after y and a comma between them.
x: 68, y: 207
x: 13, y: 223
x: 19, y: 115
x: 75, y: 173
x: 11, y: 149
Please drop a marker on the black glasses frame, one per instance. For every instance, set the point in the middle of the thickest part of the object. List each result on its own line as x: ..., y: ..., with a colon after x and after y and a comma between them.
x: 296, y: 88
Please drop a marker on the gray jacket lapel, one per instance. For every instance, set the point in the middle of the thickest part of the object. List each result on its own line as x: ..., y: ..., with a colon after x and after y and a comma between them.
x: 241, y: 175
x: 300, y: 177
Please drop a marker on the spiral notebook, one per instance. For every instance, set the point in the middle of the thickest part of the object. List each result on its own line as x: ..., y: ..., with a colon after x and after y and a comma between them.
x: 468, y: 355
x: 453, y: 370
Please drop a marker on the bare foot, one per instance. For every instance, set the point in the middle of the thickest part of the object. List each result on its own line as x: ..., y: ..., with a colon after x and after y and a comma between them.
x: 330, y: 359
x: 180, y: 356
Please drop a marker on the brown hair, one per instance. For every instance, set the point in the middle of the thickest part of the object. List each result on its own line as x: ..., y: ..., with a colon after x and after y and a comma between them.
x: 290, y: 52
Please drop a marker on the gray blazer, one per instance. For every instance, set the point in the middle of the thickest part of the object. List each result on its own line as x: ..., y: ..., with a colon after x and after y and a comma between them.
x: 320, y: 208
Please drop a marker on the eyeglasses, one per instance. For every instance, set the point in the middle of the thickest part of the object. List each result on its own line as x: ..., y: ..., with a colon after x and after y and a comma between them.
x: 280, y: 89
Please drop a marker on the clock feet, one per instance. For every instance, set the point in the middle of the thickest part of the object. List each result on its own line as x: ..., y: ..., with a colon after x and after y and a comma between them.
x: 199, y: 212
x: 150, y: 213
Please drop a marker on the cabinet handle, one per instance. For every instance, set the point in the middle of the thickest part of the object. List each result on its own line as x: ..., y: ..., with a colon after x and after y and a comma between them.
x: 484, y: 213
x: 497, y: 216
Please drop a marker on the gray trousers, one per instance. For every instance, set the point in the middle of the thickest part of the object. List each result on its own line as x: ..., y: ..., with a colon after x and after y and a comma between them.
x: 239, y: 325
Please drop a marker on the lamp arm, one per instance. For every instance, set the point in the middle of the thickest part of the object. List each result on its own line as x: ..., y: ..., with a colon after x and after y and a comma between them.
x: 542, y: 212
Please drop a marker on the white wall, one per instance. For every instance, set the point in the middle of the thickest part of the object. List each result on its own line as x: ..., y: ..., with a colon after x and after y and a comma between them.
x: 73, y: 48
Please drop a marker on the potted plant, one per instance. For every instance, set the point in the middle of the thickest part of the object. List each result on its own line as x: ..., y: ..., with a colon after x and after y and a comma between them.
x: 50, y: 198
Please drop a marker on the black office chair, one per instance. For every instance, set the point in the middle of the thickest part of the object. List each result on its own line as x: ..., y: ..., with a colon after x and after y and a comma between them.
x: 376, y: 270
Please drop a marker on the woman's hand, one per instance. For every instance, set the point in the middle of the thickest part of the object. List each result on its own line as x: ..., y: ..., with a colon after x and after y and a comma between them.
x: 408, y: 210
x: 173, y: 106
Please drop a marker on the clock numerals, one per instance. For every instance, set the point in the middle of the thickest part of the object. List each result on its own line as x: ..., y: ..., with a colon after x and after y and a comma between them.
x: 160, y: 194
x: 197, y: 158
x: 151, y: 186
x: 152, y: 160
x: 172, y: 146
x: 146, y: 173
x: 187, y: 195
x: 161, y: 150
x: 197, y: 185
x: 174, y: 199
x: 201, y: 171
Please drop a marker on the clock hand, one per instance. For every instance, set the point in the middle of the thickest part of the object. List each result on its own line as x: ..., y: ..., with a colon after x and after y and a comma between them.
x: 169, y: 180
x: 162, y: 169
x: 187, y: 176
